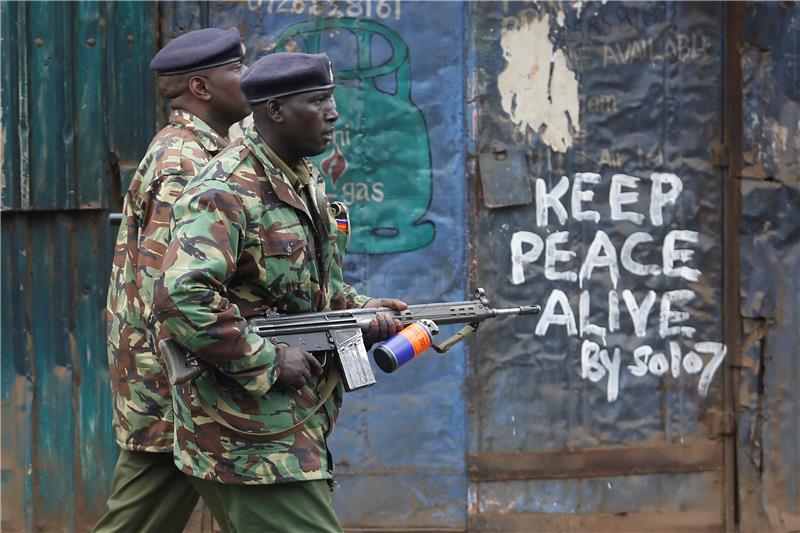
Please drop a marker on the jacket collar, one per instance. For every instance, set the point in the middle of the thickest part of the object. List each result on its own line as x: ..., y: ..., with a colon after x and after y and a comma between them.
x: 211, y: 141
x: 277, y: 176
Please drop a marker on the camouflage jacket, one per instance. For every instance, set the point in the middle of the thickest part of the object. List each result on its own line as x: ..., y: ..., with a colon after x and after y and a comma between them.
x: 141, y: 395
x: 244, y: 242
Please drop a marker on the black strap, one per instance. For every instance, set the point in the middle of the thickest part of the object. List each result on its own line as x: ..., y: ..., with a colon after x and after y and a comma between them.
x: 256, y: 436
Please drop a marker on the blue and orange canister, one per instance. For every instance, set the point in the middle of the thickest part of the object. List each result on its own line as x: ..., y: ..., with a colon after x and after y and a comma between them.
x: 415, y: 339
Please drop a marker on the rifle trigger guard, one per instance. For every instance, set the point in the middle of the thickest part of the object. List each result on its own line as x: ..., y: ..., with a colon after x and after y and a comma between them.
x: 462, y: 334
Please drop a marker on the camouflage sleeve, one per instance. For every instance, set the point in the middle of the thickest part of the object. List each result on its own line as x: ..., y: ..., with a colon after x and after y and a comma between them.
x: 154, y: 235
x: 352, y: 297
x: 190, y: 297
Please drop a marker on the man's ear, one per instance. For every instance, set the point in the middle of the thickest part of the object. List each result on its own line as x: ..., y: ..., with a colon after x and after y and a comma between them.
x: 198, y: 87
x: 274, y: 110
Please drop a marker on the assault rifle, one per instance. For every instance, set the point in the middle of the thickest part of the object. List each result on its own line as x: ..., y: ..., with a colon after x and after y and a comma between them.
x: 341, y: 333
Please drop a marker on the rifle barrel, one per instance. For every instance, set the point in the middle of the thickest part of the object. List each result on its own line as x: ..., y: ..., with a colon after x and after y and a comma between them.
x: 441, y: 313
x: 521, y: 310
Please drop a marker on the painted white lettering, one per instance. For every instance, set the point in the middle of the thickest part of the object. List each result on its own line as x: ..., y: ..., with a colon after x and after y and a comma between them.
x: 668, y: 315
x: 675, y: 358
x: 362, y: 192
x: 612, y: 366
x: 718, y: 350
x: 586, y: 327
x: 617, y: 198
x: 671, y: 255
x: 595, y: 365
x: 519, y: 258
x: 613, y: 311
x: 626, y: 256
x: 377, y: 192
x: 659, y: 198
x: 639, y: 314
x: 552, y: 254
x: 579, y: 196
x: 658, y: 364
x: 549, y: 316
x: 640, y: 356
x: 599, y: 360
x: 692, y: 363
x: 547, y: 200
x: 591, y: 368
x: 601, y: 253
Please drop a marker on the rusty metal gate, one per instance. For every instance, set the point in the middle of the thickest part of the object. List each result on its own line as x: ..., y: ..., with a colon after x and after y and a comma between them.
x: 632, y: 167
x: 78, y: 110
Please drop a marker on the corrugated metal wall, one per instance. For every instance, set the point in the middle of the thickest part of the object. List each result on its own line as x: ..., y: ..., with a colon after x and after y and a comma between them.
x: 77, y: 105
x: 458, y: 122
x: 768, y: 392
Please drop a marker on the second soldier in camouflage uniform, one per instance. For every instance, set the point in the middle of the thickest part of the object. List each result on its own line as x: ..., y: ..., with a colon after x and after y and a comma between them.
x: 254, y: 231
x: 199, y: 75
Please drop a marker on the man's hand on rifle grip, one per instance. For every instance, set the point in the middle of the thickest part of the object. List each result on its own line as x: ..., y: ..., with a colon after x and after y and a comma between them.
x: 383, y: 326
x: 296, y: 366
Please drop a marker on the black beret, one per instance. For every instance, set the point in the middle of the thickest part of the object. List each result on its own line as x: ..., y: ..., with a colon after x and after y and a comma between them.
x: 283, y: 73
x: 197, y: 50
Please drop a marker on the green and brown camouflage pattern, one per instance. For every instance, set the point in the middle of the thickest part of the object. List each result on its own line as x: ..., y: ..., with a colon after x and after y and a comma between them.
x: 244, y: 242
x: 142, y: 417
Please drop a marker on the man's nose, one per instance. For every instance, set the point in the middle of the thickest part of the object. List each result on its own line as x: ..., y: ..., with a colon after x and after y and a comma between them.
x: 332, y: 115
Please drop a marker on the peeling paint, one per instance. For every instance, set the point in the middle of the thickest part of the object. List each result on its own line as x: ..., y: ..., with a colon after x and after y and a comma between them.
x: 537, y: 88
x: 578, y: 7
x: 560, y: 16
x: 780, y: 135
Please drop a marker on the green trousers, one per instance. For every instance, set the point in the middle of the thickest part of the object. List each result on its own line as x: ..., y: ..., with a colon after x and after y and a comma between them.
x: 148, y: 494
x: 302, y: 506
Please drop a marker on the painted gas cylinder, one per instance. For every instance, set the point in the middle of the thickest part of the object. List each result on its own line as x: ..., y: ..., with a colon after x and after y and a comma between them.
x: 379, y: 163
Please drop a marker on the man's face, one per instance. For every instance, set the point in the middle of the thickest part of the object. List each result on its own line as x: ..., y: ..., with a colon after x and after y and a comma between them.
x: 308, y: 121
x: 227, y: 101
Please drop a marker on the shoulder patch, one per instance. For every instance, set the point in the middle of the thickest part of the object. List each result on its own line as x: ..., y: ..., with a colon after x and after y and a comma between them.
x: 342, y: 215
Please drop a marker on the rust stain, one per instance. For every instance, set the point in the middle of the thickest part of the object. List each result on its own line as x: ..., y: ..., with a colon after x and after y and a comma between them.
x: 16, y: 442
x: 671, y: 522
x: 621, y: 461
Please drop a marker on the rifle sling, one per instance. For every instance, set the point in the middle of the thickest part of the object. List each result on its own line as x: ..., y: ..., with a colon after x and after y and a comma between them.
x: 460, y: 335
x: 255, y: 436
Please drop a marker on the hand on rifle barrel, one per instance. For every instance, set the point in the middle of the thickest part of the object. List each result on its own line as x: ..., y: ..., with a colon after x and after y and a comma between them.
x: 383, y: 326
x: 296, y: 366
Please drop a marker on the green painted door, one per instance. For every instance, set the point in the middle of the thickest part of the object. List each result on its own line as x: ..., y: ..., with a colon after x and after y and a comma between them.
x: 78, y: 110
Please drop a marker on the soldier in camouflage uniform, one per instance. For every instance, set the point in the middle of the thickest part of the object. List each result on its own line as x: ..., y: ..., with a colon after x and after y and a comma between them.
x: 199, y: 75
x: 254, y: 231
